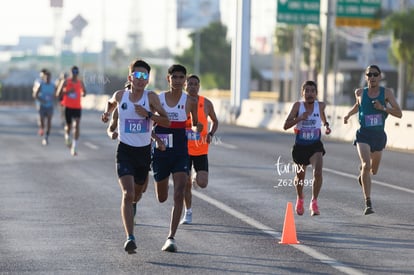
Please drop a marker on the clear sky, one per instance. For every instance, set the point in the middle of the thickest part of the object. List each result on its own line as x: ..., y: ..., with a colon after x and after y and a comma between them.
x: 37, y: 18
x: 109, y: 19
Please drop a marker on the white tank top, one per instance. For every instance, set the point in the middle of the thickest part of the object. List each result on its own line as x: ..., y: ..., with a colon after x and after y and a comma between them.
x: 309, y: 130
x: 134, y: 129
x: 177, y: 113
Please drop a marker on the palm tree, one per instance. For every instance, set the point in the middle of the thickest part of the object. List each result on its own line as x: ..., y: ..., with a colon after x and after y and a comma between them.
x: 399, y: 24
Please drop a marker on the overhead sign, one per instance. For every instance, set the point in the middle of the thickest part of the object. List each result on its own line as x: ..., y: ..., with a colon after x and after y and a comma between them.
x: 358, y: 13
x: 298, y: 12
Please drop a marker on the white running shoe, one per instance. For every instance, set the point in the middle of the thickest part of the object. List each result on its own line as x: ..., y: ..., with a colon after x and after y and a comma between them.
x: 188, y: 218
x: 169, y: 246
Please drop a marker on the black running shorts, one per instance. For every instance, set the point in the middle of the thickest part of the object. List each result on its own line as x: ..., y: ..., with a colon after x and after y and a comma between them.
x: 302, y: 153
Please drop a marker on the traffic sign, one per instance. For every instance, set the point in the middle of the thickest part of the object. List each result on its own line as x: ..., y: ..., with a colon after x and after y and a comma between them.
x: 78, y: 23
x: 358, y: 13
x: 298, y: 12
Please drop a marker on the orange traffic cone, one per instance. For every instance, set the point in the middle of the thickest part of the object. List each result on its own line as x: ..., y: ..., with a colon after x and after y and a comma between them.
x: 289, y: 228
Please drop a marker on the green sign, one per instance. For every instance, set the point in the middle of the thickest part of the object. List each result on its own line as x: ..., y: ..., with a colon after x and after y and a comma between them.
x: 362, y: 13
x: 298, y: 12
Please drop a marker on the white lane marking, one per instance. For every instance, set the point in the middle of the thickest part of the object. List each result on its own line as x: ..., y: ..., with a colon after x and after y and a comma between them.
x: 373, y: 181
x: 91, y: 145
x: 267, y: 230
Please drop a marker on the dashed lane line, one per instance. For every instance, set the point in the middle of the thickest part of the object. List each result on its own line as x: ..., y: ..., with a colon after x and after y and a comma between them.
x: 267, y: 230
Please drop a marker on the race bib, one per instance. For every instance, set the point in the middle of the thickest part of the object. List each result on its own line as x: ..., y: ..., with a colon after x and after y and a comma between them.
x: 72, y: 95
x: 191, y: 135
x: 373, y: 120
x: 167, y: 139
x: 136, y: 126
x: 309, y: 134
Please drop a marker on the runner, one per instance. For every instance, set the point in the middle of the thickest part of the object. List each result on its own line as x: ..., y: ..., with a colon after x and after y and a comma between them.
x: 198, y: 144
x: 174, y: 160
x: 136, y: 109
x: 373, y: 104
x: 307, y: 116
x: 44, y: 93
x: 72, y: 89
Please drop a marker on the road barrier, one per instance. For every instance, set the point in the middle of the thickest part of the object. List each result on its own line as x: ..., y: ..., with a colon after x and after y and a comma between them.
x: 271, y: 115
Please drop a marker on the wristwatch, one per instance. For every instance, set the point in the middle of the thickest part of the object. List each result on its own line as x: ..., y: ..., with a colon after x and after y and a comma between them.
x: 149, y: 114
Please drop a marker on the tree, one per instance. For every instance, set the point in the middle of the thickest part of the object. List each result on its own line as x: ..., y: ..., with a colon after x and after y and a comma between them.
x: 312, y: 44
x: 400, y: 25
x: 215, y: 56
x: 284, y: 39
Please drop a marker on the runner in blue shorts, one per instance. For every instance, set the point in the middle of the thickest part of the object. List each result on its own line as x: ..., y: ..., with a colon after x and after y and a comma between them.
x: 373, y: 104
x: 174, y: 160
x: 135, y: 106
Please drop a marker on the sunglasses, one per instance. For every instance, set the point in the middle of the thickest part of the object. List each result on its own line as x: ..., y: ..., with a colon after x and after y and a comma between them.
x: 141, y: 75
x: 75, y: 71
x: 372, y: 74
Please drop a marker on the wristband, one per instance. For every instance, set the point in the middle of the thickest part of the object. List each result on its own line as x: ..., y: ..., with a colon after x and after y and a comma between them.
x: 149, y: 114
x: 326, y: 124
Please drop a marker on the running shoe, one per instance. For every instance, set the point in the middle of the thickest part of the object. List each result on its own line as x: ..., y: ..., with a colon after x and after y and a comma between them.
x: 45, y: 142
x: 73, y: 151
x: 130, y: 245
x: 314, y: 208
x: 368, y: 210
x: 368, y: 207
x: 188, y: 218
x: 299, y: 206
x: 170, y: 245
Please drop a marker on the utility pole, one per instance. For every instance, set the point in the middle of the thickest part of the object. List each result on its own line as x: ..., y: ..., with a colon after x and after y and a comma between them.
x: 402, y: 70
x: 326, y: 48
x: 240, y: 63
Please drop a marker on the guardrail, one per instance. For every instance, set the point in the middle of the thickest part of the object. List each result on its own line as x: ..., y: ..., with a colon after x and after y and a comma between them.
x: 271, y: 115
x: 259, y: 113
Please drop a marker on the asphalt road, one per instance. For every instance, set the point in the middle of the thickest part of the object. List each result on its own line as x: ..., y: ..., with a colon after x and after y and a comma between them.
x: 60, y: 214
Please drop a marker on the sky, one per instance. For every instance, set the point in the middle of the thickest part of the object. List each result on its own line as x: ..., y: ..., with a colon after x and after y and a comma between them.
x: 109, y: 19
x: 106, y: 18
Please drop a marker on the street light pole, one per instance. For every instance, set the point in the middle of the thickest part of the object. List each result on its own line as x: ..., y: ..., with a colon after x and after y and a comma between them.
x: 326, y: 49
